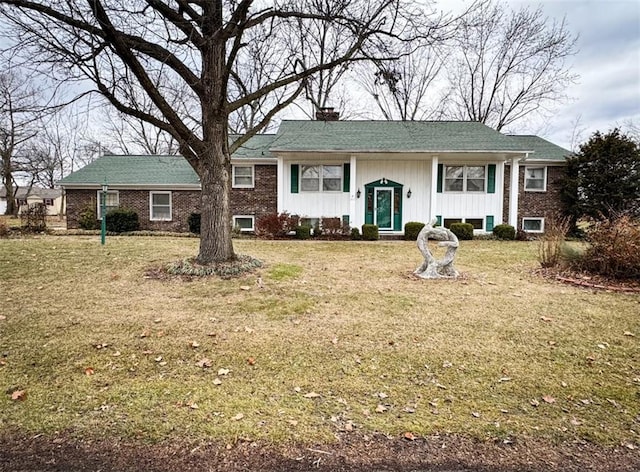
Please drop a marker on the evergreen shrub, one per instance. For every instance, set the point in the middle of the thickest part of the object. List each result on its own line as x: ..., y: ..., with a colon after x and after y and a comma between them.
x: 505, y: 232
x: 412, y: 229
x: 370, y: 232
x: 464, y: 231
x: 122, y: 220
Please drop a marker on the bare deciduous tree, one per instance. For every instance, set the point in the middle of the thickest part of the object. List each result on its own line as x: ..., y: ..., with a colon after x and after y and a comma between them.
x: 126, y: 47
x: 403, y: 89
x: 20, y: 110
x: 508, y: 64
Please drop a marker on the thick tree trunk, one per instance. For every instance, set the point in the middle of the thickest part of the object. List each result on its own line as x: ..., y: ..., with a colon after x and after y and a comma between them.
x: 215, y: 225
x: 214, y: 162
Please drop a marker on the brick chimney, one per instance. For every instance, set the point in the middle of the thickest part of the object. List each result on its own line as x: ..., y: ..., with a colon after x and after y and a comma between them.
x: 327, y: 114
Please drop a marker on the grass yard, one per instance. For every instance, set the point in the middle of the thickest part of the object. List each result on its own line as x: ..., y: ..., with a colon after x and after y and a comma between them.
x: 340, y: 338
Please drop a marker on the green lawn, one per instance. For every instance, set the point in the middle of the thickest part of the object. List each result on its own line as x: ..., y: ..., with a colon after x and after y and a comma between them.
x: 339, y: 338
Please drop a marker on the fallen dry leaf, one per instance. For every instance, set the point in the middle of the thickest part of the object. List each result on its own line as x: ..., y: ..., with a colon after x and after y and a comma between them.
x: 251, y: 361
x: 89, y: 371
x: 475, y: 414
x: 217, y: 381
x: 312, y: 395
x: 381, y: 408
x: 238, y: 417
x: 548, y: 399
x: 194, y: 344
x: 630, y: 334
x: 223, y: 371
x: 546, y: 319
x: 576, y: 422
x: 158, y: 359
x: 245, y: 287
x: 204, y: 362
x: 145, y: 334
x: 19, y: 395
x: 534, y: 402
x: 2, y: 317
x: 410, y: 436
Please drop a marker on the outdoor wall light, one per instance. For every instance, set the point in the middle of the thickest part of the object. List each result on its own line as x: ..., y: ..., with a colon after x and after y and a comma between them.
x: 409, y: 193
x: 358, y: 193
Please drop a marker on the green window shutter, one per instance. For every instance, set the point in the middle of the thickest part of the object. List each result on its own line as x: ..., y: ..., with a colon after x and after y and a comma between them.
x: 440, y: 177
x: 491, y: 177
x: 295, y: 176
x: 489, y: 223
x: 438, y: 220
x: 346, y: 177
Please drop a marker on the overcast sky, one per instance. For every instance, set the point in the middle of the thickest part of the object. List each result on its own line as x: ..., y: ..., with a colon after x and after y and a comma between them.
x: 608, y: 61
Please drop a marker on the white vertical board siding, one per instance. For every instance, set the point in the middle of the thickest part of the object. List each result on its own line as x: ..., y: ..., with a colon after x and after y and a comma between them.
x: 312, y: 204
x: 414, y: 175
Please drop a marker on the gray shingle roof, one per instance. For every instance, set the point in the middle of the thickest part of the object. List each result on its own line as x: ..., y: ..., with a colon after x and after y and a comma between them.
x: 391, y: 136
x: 135, y: 170
x: 543, y: 149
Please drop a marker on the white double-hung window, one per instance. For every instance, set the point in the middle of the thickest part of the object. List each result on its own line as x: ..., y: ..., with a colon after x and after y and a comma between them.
x: 243, y: 176
x: 112, y: 201
x: 535, y: 179
x: 464, y: 178
x: 325, y: 178
x: 160, y: 206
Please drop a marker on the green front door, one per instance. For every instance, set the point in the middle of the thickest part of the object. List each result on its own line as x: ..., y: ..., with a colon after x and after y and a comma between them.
x: 384, y: 209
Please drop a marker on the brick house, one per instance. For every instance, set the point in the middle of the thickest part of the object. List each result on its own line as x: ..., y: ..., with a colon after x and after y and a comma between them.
x: 381, y: 172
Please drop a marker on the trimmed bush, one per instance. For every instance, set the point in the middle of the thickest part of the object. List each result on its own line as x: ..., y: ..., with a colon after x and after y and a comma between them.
x: 303, y: 232
x: 412, y: 229
x: 370, y: 232
x: 464, y: 231
x: 355, y: 234
x: 194, y: 223
x: 122, y: 220
x: 505, y: 232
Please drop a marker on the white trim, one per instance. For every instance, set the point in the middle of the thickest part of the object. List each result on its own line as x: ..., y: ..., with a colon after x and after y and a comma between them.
x: 281, y: 185
x: 540, y: 219
x: 233, y: 176
x: 251, y: 217
x: 544, y: 179
x: 151, y: 205
x: 434, y: 188
x: 353, y: 189
x: 391, y: 191
x: 514, y: 193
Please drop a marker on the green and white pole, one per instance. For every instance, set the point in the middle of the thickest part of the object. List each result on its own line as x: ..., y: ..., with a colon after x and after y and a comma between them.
x: 103, y: 213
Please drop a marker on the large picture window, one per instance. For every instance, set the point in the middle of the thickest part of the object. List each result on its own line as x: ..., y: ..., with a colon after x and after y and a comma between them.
x: 112, y: 201
x: 325, y: 178
x: 464, y: 178
x: 535, y: 179
x: 160, y: 209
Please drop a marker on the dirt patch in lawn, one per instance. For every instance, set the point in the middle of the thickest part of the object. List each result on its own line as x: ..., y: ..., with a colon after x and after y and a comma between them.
x: 376, y: 453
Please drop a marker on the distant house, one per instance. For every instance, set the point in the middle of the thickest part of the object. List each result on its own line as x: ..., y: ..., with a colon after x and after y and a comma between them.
x: 25, y: 196
x: 380, y: 172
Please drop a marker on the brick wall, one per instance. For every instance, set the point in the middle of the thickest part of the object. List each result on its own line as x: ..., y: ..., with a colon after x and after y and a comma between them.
x: 535, y: 204
x: 257, y: 201
x: 262, y: 198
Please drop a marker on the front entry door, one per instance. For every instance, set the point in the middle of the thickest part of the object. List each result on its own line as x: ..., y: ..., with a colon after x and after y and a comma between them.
x: 384, y: 208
